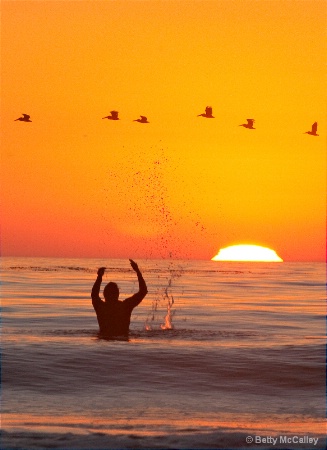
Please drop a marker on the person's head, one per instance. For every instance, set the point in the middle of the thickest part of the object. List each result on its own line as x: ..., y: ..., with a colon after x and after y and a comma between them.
x: 111, y: 292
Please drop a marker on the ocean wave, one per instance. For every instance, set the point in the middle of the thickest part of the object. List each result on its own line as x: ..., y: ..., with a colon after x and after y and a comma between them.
x: 72, y: 333
x: 191, y: 334
x: 171, y: 270
x: 183, y: 334
x: 51, y: 269
x: 217, y: 437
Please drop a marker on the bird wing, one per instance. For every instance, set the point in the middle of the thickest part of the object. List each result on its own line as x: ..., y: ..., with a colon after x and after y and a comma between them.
x: 209, y: 111
x: 314, y: 127
x: 143, y: 118
x: 26, y: 116
x: 114, y: 113
x: 250, y: 122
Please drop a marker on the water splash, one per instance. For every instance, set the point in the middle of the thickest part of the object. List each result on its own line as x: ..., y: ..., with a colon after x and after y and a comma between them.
x: 164, y: 295
x: 169, y: 316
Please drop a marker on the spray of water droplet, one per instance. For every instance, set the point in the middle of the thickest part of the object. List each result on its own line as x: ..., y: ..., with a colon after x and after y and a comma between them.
x: 151, y: 219
x: 164, y: 300
x: 168, y: 325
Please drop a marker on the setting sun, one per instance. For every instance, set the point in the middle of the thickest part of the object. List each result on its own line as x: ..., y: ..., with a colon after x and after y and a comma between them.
x: 247, y: 253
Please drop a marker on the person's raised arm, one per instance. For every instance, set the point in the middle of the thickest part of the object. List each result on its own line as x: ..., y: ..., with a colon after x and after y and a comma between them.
x: 142, y: 285
x: 96, y: 287
x: 143, y: 290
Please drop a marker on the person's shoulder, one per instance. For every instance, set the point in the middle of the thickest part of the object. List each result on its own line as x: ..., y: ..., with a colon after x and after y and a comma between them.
x: 130, y: 299
x: 136, y: 295
x: 134, y: 300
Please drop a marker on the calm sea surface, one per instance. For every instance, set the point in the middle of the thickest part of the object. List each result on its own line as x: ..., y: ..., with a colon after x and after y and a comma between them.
x: 217, y: 352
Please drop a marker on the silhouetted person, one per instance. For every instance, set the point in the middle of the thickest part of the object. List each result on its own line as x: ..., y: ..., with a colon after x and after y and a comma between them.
x: 114, y: 116
x: 114, y: 315
x: 249, y: 124
x: 143, y: 119
x: 208, y: 113
x: 313, y: 131
x: 25, y: 118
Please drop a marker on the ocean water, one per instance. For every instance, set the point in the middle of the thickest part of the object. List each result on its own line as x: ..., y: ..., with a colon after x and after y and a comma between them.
x: 218, y: 354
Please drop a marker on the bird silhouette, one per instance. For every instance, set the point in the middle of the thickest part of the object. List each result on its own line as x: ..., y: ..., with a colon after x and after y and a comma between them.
x: 25, y: 118
x: 249, y: 124
x: 208, y: 113
x: 313, y: 131
x: 114, y: 116
x: 143, y: 119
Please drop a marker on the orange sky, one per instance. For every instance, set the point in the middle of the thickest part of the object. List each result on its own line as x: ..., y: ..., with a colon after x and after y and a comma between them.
x: 181, y: 186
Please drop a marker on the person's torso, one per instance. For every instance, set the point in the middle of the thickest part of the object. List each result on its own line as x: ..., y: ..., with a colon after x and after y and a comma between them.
x: 114, y: 318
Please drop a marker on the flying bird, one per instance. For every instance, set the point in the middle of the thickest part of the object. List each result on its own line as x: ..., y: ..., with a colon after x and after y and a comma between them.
x: 114, y: 116
x: 313, y: 131
x: 25, y: 118
x: 249, y: 124
x: 208, y: 113
x: 143, y: 119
